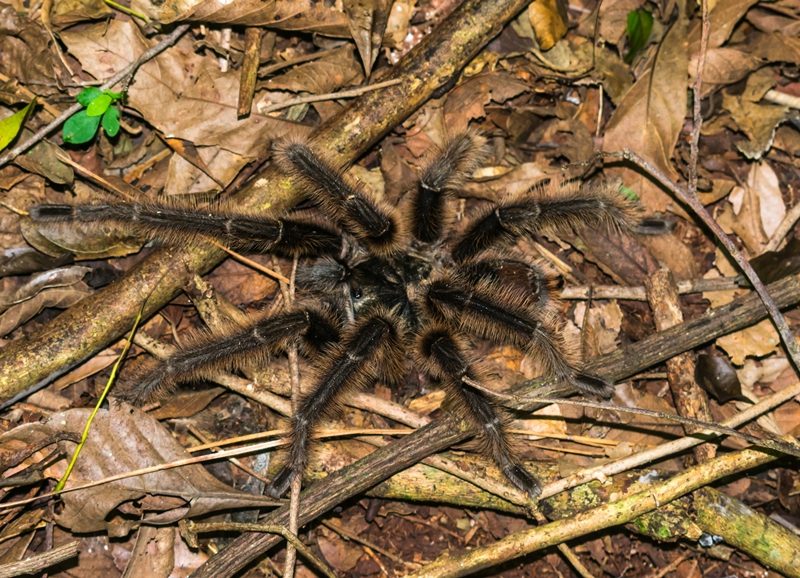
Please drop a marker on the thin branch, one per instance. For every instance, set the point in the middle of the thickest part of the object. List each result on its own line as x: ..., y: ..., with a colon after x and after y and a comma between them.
x: 328, y: 96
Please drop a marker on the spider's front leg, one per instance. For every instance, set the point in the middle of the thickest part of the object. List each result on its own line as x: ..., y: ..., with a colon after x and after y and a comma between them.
x: 352, y: 207
x: 251, y: 345
x: 371, y: 350
x: 446, y: 170
x: 174, y: 224
x: 443, y: 357
x: 600, y: 206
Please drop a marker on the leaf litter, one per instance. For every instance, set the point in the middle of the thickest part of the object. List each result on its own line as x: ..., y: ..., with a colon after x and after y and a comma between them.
x: 551, y: 90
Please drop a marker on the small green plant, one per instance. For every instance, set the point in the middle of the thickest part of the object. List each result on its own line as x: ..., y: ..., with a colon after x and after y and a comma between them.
x: 100, y: 110
x: 640, y: 25
x: 11, y: 125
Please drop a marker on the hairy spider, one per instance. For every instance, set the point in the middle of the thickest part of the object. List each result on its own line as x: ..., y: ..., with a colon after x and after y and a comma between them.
x: 387, y: 285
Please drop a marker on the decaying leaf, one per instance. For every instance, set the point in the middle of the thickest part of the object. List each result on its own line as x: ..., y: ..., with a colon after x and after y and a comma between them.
x: 123, y: 439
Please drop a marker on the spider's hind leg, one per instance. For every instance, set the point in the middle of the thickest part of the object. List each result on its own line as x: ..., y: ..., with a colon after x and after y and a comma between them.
x: 443, y: 357
x: 316, y: 329
x: 371, y: 350
x: 503, y: 314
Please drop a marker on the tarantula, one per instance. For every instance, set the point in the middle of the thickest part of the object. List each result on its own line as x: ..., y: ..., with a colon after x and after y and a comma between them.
x: 385, y: 280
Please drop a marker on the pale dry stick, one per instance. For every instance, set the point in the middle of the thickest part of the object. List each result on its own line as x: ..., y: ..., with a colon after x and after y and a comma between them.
x: 126, y: 72
x: 514, y: 401
x: 786, y: 225
x: 294, y: 375
x: 640, y: 294
x: 670, y: 448
x: 787, y: 337
x: 697, y: 116
x: 782, y: 98
x: 38, y: 564
x: 621, y: 511
x: 329, y: 96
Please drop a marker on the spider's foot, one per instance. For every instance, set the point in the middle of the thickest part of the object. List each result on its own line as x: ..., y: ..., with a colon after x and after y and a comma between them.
x: 281, y: 482
x: 593, y: 385
x: 520, y: 477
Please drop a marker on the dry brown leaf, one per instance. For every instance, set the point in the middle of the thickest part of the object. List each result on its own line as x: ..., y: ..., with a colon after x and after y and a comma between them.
x: 184, y: 95
x: 66, y: 13
x: 367, y: 19
x: 758, y: 121
x: 614, y: 18
x: 650, y: 117
x: 756, y: 209
x: 549, y: 21
x: 339, y: 553
x: 25, y: 54
x: 59, y: 297
x: 467, y: 101
x: 317, y: 16
x: 724, y: 66
x: 755, y: 341
x: 123, y: 439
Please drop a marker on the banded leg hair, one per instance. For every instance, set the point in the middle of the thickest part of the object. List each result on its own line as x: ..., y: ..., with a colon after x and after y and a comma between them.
x: 444, y: 357
x: 174, y: 224
x: 315, y: 329
x: 371, y: 350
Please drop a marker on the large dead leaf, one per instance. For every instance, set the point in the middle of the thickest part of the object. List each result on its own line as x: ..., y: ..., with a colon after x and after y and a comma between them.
x: 25, y: 55
x: 650, y: 116
x: 123, y: 439
x: 335, y: 70
x: 182, y: 95
x: 300, y: 15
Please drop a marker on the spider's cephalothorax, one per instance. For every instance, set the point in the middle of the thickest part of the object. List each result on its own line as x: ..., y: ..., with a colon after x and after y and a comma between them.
x: 387, y: 285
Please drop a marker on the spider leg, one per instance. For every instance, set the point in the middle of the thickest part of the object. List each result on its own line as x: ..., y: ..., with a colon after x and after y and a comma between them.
x: 243, y: 346
x: 529, y: 278
x: 444, y: 358
x: 174, y: 224
x: 371, y: 350
x: 352, y: 207
x: 524, y: 217
x: 444, y: 172
x: 499, y: 313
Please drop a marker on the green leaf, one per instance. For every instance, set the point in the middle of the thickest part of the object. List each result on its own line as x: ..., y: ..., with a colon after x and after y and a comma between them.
x: 110, y: 121
x: 115, y: 96
x: 80, y: 128
x: 640, y: 25
x: 11, y: 125
x: 99, y: 105
x: 87, y: 95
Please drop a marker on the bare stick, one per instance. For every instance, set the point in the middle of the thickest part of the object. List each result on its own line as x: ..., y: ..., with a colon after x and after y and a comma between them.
x: 128, y: 71
x: 37, y: 565
x: 329, y: 96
